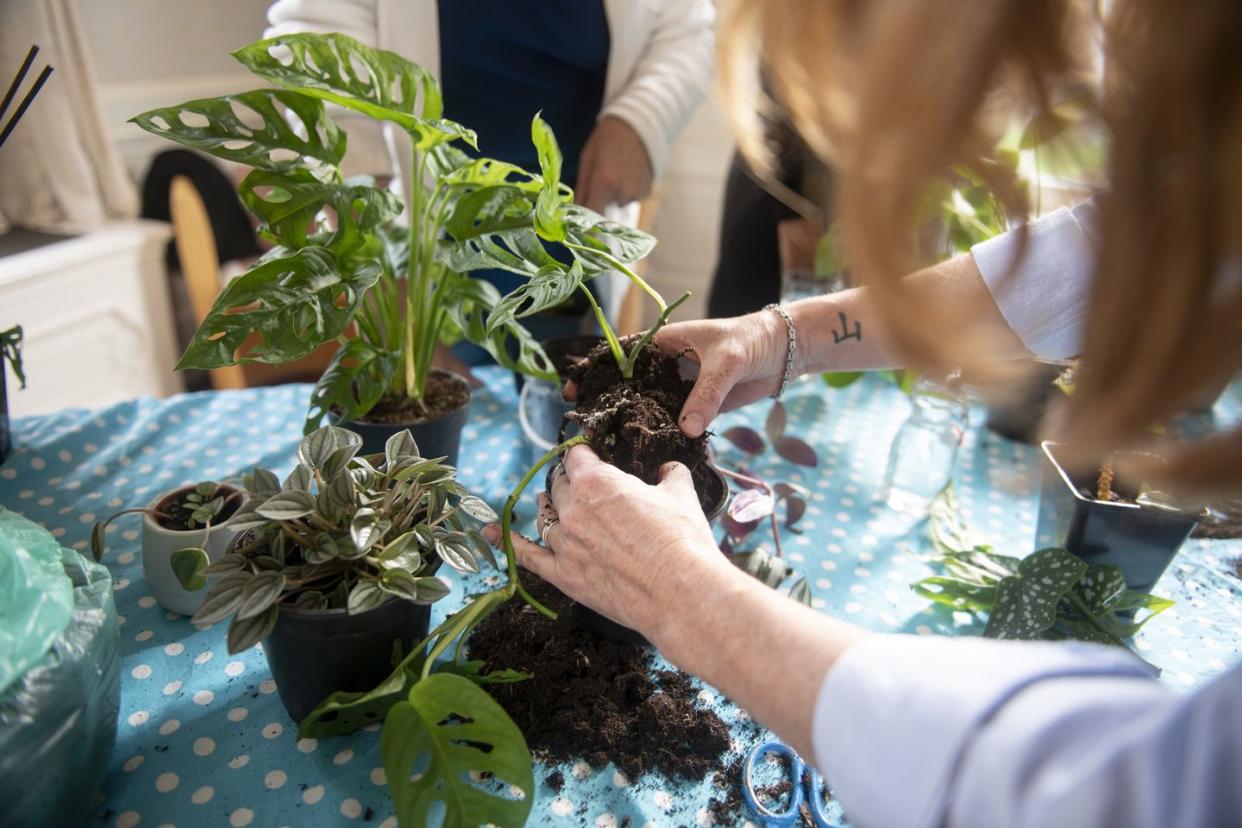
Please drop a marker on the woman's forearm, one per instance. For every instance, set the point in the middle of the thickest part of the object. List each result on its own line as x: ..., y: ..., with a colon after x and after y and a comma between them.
x: 765, y: 651
x: 842, y: 331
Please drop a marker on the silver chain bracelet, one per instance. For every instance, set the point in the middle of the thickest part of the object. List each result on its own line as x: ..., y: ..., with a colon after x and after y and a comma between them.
x: 793, y: 347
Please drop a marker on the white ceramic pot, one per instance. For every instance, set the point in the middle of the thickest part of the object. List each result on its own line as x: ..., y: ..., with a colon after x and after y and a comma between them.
x: 158, y: 546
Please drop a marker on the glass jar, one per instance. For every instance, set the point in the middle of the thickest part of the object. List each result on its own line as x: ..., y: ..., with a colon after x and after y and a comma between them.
x: 921, y: 460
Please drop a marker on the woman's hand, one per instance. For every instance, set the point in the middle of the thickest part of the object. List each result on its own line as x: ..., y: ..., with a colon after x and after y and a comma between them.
x: 621, y: 547
x: 739, y: 361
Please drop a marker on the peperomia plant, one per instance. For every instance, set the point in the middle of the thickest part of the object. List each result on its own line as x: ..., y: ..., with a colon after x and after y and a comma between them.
x: 343, y: 269
x: 341, y: 531
x: 1049, y: 594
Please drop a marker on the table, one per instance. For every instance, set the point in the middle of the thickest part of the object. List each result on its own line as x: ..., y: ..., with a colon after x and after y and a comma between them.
x: 204, y: 741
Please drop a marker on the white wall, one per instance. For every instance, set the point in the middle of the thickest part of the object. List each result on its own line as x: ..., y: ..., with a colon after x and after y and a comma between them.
x: 150, y: 53
x: 688, y: 224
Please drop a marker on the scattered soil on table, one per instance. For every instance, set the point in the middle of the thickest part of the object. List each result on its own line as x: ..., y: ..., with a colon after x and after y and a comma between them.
x: 178, y: 510
x: 632, y: 423
x: 1223, y: 522
x: 593, y: 699
x: 445, y: 393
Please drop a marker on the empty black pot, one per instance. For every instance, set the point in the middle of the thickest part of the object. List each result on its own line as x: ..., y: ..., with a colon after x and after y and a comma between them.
x: 314, y: 653
x: 1139, y: 538
x: 438, y: 437
x: 1018, y: 418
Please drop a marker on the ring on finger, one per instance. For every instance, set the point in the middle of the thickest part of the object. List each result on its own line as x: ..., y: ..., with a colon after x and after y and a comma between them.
x: 547, y: 523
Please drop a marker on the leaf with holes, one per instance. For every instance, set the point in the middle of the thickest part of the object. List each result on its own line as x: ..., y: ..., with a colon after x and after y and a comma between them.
x: 288, y: 203
x: 549, y: 218
x: 1026, y: 603
x: 775, y: 424
x: 375, y: 82
x: 469, y: 302
x: 751, y: 505
x: 259, y: 129
x: 449, y: 727
x: 746, y: 439
x: 293, y: 303
x: 188, y: 565
x: 550, y: 286
x: 355, y: 380
x: 244, y: 633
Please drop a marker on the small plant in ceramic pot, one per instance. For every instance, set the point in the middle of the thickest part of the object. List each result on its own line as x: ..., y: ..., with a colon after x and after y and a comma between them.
x: 336, y: 565
x: 179, y: 528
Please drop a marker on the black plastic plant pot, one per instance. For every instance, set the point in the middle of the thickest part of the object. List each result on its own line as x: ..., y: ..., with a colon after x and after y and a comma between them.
x: 1141, y: 539
x: 541, y: 404
x: 437, y: 437
x: 314, y: 653
x: 1018, y: 418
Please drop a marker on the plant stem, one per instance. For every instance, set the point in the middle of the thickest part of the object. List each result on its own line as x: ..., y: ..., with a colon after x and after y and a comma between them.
x: 506, y: 520
x: 1092, y: 620
x: 611, y: 260
x: 628, y: 369
x: 614, y: 345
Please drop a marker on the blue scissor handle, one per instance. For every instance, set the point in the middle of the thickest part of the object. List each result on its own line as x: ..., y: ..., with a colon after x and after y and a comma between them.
x: 812, y: 794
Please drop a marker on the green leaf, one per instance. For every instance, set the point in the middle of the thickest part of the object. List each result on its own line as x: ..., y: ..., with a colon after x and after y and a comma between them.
x: 551, y: 286
x: 398, y: 448
x: 288, y: 203
x: 258, y: 129
x: 454, y: 727
x: 188, y: 565
x: 260, y: 592
x: 97, y: 534
x: 366, y: 595
x: 478, y: 509
x: 244, y: 633
x: 960, y: 595
x: 455, y: 550
x: 341, y: 492
x: 299, y: 480
x: 293, y: 303
x: 468, y: 302
x: 261, y: 482
x: 473, y: 670
x: 588, y: 228
x: 311, y: 600
x: 800, y: 591
x: 317, y: 447
x: 761, y: 566
x: 289, y: 505
x: 399, y: 583
x: 842, y: 379
x: 227, y: 564
x: 1101, y: 588
x: 355, y: 380
x: 368, y: 528
x: 223, y: 598
x: 375, y: 82
x: 1026, y: 603
x: 549, y: 219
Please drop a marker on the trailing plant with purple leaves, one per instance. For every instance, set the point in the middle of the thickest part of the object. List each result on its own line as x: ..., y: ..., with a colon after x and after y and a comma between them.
x: 759, y: 502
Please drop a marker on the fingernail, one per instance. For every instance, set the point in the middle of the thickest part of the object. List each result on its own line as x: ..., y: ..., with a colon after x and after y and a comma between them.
x: 692, y: 424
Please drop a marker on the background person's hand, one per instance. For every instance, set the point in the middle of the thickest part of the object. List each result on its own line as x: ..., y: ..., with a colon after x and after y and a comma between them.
x: 621, y: 547
x: 738, y: 361
x: 614, y: 167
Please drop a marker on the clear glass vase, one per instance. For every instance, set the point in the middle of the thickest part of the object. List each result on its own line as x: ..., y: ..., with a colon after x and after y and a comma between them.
x: 921, y: 460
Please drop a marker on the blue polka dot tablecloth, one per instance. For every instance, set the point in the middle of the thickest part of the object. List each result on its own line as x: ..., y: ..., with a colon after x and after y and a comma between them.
x: 204, y: 741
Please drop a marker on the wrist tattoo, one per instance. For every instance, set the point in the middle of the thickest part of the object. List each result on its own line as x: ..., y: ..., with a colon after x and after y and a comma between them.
x: 846, y: 333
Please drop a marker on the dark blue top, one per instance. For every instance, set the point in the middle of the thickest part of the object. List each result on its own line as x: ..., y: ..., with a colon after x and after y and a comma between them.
x: 501, y: 61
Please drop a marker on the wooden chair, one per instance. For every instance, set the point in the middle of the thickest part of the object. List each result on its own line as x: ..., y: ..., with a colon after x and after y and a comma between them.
x: 200, y: 264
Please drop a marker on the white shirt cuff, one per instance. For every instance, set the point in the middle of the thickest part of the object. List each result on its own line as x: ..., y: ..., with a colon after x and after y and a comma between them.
x: 896, y: 712
x: 1044, y: 295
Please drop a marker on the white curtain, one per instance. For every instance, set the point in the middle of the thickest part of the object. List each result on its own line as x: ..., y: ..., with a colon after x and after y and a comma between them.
x: 58, y: 169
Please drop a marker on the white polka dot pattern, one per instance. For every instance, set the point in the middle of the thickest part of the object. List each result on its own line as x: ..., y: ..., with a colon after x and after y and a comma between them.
x: 203, y: 738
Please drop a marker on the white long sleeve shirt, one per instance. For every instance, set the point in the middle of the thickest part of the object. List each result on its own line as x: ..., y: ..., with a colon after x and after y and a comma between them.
x: 919, y: 732
x: 916, y: 732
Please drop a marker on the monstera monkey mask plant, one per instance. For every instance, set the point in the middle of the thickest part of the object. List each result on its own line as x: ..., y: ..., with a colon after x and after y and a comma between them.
x: 343, y: 269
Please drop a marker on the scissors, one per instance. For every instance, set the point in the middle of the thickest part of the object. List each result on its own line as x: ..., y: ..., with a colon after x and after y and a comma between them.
x: 809, y: 791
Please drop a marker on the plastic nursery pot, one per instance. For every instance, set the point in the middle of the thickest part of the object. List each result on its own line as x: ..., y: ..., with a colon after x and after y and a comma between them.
x: 1139, y: 538
x: 159, y: 543
x: 541, y: 404
x: 437, y: 437
x: 1018, y: 418
x: 314, y: 653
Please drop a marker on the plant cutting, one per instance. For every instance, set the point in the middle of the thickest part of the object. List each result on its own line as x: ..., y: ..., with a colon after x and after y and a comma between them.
x: 10, y: 356
x: 1050, y: 594
x: 343, y: 268
x: 179, y: 528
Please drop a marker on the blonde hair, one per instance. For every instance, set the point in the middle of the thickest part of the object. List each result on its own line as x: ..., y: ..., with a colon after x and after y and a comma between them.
x: 896, y: 92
